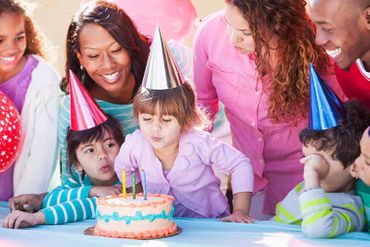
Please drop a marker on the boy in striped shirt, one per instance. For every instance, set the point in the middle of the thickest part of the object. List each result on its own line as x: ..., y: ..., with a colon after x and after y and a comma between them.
x: 324, y: 204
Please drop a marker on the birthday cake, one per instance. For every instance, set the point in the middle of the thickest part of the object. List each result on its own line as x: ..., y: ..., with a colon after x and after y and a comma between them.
x: 135, y: 218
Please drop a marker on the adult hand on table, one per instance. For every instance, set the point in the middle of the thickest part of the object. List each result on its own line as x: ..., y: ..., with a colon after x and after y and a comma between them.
x: 27, y: 202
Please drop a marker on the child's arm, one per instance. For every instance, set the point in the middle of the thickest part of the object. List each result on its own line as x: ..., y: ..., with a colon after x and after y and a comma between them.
x: 238, y: 166
x: 69, y: 211
x: 320, y: 219
x: 229, y: 159
x: 288, y: 211
x: 66, y: 192
x: 242, y: 203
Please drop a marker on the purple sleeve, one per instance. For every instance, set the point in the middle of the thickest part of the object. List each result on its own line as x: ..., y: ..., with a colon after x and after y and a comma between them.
x: 127, y: 160
x: 229, y: 159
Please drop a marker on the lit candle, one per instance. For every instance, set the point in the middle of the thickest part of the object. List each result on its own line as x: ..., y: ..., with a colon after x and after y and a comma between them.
x: 124, y: 192
x: 133, y: 184
x: 143, y: 182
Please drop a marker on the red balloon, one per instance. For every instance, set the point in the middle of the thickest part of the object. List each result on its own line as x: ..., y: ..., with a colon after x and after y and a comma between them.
x: 176, y: 18
x: 10, y: 132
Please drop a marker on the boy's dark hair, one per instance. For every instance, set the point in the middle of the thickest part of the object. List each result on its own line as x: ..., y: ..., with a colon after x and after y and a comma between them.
x: 343, y: 139
x: 76, y: 138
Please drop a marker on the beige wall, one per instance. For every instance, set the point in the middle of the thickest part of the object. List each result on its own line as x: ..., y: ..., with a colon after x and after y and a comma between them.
x: 53, y: 16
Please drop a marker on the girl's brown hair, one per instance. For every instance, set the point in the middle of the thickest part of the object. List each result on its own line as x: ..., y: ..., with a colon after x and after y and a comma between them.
x: 287, y: 20
x: 34, y: 44
x: 179, y: 102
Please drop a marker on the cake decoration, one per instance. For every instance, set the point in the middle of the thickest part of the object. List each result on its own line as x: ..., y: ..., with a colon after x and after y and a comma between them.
x: 135, y: 218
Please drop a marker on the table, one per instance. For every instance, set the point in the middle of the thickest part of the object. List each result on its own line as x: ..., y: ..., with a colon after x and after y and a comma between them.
x: 195, y: 232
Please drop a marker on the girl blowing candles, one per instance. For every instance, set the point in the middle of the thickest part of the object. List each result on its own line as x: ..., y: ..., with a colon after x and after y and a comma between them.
x: 178, y: 157
x: 93, y: 143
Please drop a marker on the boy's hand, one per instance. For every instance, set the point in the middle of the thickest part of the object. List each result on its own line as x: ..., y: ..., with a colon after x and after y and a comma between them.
x: 101, y: 191
x: 238, y: 216
x: 27, y: 202
x: 316, y: 168
x: 20, y: 219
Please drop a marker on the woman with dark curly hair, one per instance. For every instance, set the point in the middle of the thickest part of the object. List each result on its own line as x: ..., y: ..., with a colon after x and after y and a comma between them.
x: 254, y: 58
x: 33, y: 85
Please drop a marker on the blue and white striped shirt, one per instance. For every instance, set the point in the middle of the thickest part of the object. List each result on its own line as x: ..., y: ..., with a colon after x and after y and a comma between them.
x: 70, y: 202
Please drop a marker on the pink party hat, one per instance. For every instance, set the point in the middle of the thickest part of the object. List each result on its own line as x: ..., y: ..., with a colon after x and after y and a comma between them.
x: 85, y: 112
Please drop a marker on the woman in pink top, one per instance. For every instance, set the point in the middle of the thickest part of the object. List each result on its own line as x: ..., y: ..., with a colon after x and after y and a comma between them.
x: 254, y: 57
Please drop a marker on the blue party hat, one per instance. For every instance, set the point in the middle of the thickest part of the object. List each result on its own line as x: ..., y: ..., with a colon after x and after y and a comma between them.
x: 326, y: 109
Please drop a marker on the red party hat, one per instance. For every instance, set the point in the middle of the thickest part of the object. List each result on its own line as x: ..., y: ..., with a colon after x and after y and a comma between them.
x: 85, y: 112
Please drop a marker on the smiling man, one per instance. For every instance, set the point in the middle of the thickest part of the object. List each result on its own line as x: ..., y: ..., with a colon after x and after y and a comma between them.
x: 343, y: 29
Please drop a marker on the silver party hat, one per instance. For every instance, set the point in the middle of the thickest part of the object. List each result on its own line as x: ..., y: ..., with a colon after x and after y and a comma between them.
x: 161, y: 72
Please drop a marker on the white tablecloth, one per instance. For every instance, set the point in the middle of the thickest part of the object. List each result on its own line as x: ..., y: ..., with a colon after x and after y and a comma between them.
x: 195, y: 232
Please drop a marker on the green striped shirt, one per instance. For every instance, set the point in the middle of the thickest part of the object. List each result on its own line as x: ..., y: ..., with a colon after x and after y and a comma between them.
x: 320, y: 214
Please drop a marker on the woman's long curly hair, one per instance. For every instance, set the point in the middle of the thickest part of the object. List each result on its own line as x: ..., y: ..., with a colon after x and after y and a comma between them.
x: 296, y: 49
x: 119, y: 25
x: 34, y: 44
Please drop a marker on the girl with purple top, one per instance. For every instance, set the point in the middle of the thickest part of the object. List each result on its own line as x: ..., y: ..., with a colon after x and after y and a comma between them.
x: 176, y: 156
x: 33, y: 86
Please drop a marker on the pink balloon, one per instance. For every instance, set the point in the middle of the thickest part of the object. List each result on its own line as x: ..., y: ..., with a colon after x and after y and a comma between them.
x: 176, y: 18
x: 10, y: 132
